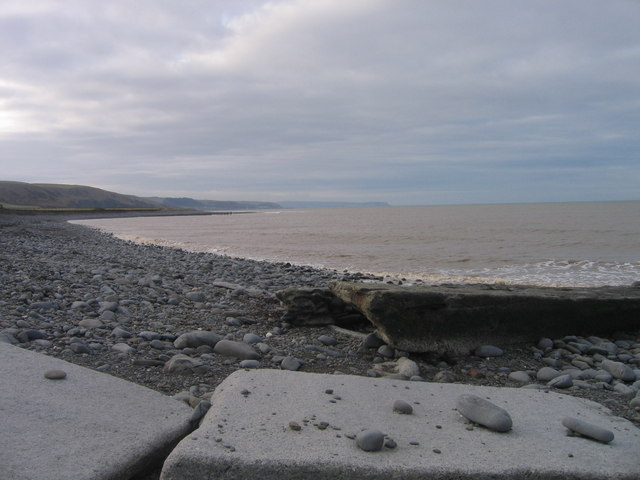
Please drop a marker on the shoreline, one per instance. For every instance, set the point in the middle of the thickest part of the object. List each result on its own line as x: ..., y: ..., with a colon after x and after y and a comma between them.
x: 84, y: 296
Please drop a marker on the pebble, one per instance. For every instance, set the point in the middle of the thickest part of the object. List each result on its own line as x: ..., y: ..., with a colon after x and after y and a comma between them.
x: 402, y: 407
x: 290, y: 363
x: 619, y: 370
x: 546, y: 374
x: 372, y: 341
x: 240, y: 350
x: 486, y: 351
x: 588, y: 430
x: 196, y: 338
x: 483, y: 412
x: 520, y: 377
x: 386, y: 351
x: 561, y: 381
x: 370, y: 440
x: 251, y: 338
x: 249, y: 364
x: 327, y: 340
x: 55, y: 374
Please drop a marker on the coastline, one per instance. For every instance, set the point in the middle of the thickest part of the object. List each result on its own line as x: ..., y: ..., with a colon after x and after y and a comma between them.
x: 63, y: 285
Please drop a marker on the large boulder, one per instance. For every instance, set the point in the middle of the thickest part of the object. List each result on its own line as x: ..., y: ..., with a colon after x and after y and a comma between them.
x: 459, y: 318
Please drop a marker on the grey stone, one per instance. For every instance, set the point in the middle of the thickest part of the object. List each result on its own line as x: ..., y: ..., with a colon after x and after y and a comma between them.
x: 240, y: 350
x: 120, y: 332
x: 290, y: 363
x: 79, y: 348
x: 249, y: 364
x: 123, y: 348
x: 370, y: 440
x: 91, y: 323
x: 619, y: 370
x: 545, y: 344
x: 327, y: 340
x: 546, y: 374
x: 603, y: 376
x: 488, y: 351
x: 251, y: 338
x: 520, y: 377
x: 407, y: 367
x: 386, y: 351
x: 483, y: 412
x: 588, y: 430
x: 402, y: 407
x: 195, y: 338
x: 55, y: 374
x: 197, y: 297
x: 624, y: 390
x: 561, y: 381
x: 181, y: 363
x: 372, y: 341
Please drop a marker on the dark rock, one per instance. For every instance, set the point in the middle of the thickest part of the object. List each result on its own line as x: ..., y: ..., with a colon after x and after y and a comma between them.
x: 316, y: 306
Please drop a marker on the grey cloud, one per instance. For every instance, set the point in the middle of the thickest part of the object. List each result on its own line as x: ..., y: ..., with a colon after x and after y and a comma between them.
x: 411, y: 102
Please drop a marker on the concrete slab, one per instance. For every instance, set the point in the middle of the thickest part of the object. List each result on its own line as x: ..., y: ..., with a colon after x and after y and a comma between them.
x: 248, y: 435
x: 89, y: 425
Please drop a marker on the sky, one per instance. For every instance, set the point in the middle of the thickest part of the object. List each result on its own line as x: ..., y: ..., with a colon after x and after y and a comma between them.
x: 406, y: 101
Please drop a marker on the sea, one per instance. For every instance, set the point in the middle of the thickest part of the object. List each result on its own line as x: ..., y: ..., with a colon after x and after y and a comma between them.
x: 556, y: 244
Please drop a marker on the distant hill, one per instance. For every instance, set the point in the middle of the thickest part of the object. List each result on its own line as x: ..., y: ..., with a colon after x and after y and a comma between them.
x: 213, y: 205
x: 44, y: 195
x: 332, y: 204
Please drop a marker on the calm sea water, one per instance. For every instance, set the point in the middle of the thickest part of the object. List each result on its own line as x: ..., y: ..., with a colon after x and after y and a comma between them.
x: 573, y: 244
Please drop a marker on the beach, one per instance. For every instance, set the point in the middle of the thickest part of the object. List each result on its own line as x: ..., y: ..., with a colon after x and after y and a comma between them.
x: 120, y: 307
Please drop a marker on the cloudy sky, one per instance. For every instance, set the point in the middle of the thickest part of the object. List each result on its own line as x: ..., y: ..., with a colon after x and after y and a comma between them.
x: 405, y: 101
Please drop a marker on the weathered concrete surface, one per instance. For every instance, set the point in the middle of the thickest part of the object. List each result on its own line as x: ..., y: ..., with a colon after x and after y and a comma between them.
x: 316, y: 306
x: 247, y: 433
x: 88, y: 426
x: 459, y: 318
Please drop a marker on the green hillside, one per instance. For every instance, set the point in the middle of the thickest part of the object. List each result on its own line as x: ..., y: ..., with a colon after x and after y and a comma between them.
x: 20, y: 195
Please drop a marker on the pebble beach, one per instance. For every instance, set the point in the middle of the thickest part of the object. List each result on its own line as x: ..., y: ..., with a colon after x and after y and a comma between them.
x: 180, y: 322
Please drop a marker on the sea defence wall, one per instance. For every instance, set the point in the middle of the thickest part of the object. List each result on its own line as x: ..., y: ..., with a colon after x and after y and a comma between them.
x: 458, y: 318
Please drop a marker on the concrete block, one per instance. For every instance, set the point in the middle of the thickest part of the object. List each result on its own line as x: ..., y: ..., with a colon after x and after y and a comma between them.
x: 249, y: 433
x: 85, y: 426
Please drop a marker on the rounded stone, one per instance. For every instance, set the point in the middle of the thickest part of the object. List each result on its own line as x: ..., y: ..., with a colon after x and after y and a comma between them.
x: 562, y: 381
x: 249, y: 364
x: 484, y: 412
x: 520, y: 377
x: 370, y: 440
x: 327, y: 340
x: 487, y: 351
x: 546, y: 374
x: 290, y: 363
x: 251, y: 338
x: 588, y: 430
x: 55, y: 374
x: 372, y: 341
x: 386, y: 351
x: 402, y: 407
x: 239, y: 350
